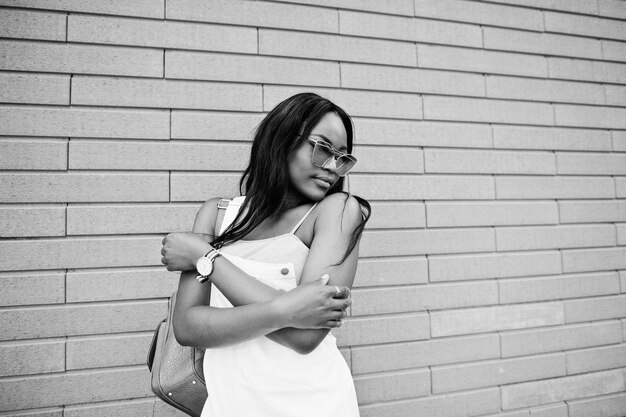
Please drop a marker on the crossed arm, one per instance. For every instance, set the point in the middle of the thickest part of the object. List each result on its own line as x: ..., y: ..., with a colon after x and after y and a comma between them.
x: 300, y: 318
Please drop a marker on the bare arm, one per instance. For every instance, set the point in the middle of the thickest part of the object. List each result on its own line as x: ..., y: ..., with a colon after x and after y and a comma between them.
x: 259, y: 309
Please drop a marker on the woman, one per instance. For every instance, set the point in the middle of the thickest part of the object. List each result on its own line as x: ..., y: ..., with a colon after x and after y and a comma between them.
x: 266, y: 328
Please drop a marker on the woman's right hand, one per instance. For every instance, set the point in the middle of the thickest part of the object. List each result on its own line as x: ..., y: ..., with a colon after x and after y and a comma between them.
x: 314, y: 305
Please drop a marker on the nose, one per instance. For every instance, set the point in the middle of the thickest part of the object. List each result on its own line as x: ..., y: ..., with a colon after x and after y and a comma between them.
x: 331, y: 164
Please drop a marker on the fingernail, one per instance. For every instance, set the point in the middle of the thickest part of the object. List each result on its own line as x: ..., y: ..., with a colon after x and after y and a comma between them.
x: 325, y: 278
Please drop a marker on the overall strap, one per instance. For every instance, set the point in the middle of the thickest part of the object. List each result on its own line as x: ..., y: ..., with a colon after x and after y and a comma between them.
x: 232, y: 208
x: 302, y: 219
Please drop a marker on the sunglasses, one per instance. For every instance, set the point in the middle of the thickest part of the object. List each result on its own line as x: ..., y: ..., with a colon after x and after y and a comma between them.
x: 325, y: 155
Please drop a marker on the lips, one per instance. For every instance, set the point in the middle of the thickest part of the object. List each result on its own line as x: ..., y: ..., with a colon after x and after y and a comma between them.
x: 323, y: 182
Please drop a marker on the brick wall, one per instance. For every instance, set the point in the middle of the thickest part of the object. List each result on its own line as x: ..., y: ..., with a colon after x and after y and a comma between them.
x: 492, y: 141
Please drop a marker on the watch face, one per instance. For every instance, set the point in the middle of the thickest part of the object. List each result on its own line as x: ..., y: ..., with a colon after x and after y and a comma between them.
x: 204, y: 266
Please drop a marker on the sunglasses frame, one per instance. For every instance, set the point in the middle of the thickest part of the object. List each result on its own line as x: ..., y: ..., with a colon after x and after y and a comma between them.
x: 316, y: 140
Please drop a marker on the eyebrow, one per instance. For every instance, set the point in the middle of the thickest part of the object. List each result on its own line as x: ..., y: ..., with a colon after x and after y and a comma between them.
x: 343, y: 148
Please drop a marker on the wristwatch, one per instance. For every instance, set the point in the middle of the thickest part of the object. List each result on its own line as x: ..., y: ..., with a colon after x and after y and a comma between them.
x: 204, y: 265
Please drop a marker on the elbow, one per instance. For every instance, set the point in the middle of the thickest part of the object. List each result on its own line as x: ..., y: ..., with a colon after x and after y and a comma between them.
x: 181, y: 334
x: 304, y: 347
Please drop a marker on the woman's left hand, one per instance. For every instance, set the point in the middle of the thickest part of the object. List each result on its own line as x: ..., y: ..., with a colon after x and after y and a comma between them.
x: 181, y: 250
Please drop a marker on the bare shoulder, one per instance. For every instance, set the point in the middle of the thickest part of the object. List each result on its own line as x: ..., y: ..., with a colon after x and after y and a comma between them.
x: 340, y: 209
x: 205, y: 218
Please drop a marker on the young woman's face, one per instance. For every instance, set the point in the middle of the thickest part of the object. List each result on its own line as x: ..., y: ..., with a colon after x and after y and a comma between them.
x: 310, y: 181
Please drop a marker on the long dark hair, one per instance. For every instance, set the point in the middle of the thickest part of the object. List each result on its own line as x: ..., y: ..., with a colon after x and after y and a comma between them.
x: 265, y: 182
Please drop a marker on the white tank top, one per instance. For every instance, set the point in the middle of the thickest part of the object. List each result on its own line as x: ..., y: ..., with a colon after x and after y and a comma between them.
x: 259, y: 377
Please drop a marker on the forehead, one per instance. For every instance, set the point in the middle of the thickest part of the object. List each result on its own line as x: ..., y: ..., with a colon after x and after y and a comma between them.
x: 331, y: 127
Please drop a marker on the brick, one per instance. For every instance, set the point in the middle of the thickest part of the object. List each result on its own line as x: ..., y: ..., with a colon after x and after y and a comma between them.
x: 554, y: 339
x: 422, y: 297
x: 554, y: 237
x: 492, y: 111
x: 588, y: 116
x: 119, y: 284
x: 25, y: 221
x: 596, y: 359
x: 622, y: 276
x: 161, y: 34
x: 488, y: 162
x: 620, y: 187
x: 22, y: 24
x: 200, y: 187
x: 576, y: 6
x: 36, y: 89
x: 551, y: 410
x: 163, y: 409
x: 615, y: 95
x: 557, y: 287
x: 250, y: 68
x: 130, y: 408
x: 496, y: 372
x: 490, y: 213
x: 261, y: 14
x: 541, y: 43
x: 621, y: 235
x: 593, y: 309
x: 579, y: 260
x: 411, y: 80
x: 544, y: 90
x: 605, y: 406
x: 517, y: 137
x: 586, y: 70
x: 129, y: 92
x: 145, y: 8
x: 612, y: 50
x: 85, y: 122
x: 80, y: 59
x: 611, y: 8
x: 75, y: 387
x: 32, y: 154
x: 32, y: 357
x: 533, y: 187
x: 79, y: 253
x: 579, y: 163
x: 83, y: 187
x: 418, y: 242
x: 591, y: 26
x: 389, y: 160
x: 107, y: 351
x: 400, y: 7
x: 17, y: 288
x: 386, y: 329
x: 397, y: 215
x: 490, y: 319
x: 355, y: 102
x: 209, y: 125
x: 129, y: 218
x: 419, y: 187
x: 481, y: 61
x: 392, y: 386
x: 470, y: 403
x: 486, y: 14
x: 409, y: 29
x: 336, y: 48
x: 493, y: 265
x: 73, y: 320
x: 396, y: 132
x: 564, y: 388
x: 424, y: 353
x: 47, y: 412
x: 619, y: 140
x: 581, y: 211
x: 522, y: 413
x: 170, y: 155
x: 391, y: 271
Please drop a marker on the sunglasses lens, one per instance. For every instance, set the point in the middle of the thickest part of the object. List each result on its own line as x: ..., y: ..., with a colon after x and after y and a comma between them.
x: 323, y: 153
